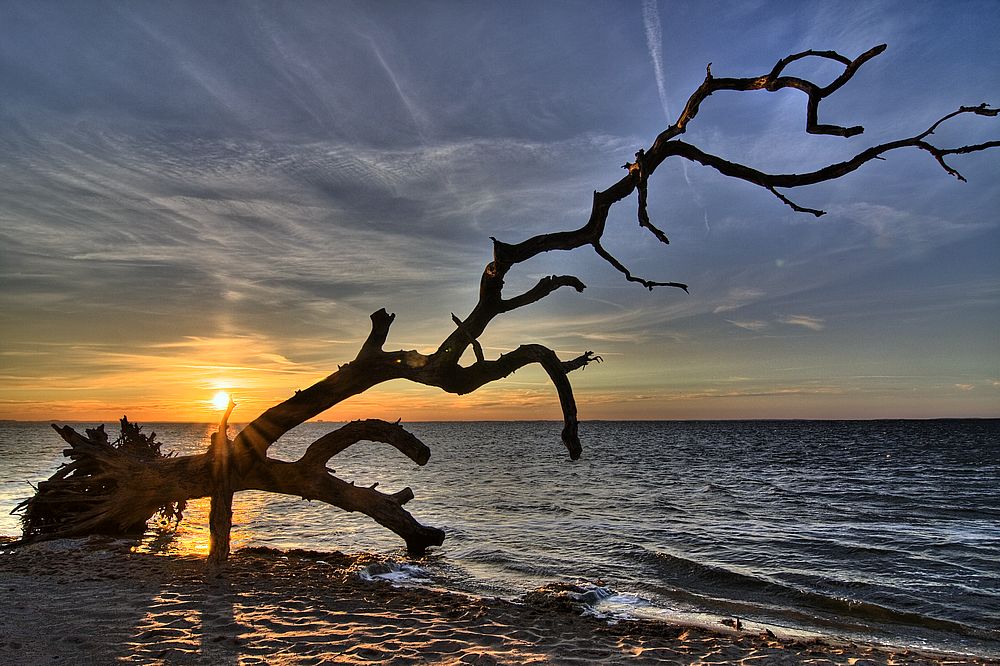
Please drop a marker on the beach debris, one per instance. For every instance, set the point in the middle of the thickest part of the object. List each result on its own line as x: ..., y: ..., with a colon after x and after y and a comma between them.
x: 394, y: 572
x: 572, y: 597
x: 733, y: 622
x: 85, y: 495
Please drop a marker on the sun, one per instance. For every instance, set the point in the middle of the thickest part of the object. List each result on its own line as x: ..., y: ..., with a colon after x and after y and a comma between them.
x: 220, y: 400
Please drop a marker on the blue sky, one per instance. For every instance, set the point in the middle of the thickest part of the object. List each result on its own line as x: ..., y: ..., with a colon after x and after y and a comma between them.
x: 197, y: 196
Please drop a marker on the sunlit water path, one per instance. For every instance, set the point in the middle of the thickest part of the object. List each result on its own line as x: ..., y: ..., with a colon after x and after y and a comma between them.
x: 886, y: 530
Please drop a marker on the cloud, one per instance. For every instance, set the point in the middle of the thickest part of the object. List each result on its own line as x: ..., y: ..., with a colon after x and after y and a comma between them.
x: 612, y: 397
x: 903, y: 229
x: 751, y: 325
x: 257, y: 223
x: 762, y: 392
x: 738, y: 297
x: 806, y: 321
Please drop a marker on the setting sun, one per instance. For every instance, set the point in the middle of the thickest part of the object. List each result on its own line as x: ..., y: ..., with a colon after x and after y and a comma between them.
x: 220, y: 400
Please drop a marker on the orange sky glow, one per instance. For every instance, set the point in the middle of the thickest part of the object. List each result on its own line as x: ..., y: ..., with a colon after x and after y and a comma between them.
x: 177, y: 384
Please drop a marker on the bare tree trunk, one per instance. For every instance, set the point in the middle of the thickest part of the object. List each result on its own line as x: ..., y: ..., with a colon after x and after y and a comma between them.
x: 220, y: 525
x: 118, y: 486
x: 220, y: 515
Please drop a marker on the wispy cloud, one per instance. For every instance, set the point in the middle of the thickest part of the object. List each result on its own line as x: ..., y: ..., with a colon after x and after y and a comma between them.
x: 736, y: 298
x: 750, y: 325
x: 906, y: 231
x: 805, y: 321
x: 758, y: 393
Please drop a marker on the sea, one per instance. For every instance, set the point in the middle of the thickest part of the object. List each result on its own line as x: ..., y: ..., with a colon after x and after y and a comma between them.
x: 885, y: 532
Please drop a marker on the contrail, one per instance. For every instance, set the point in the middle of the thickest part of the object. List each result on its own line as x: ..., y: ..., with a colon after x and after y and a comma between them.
x: 416, y: 115
x: 654, y: 40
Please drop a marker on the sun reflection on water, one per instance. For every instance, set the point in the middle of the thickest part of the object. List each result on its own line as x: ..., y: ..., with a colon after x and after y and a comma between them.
x: 190, y: 537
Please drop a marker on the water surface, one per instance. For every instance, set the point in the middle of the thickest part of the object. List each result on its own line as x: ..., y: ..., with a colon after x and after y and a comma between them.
x: 882, y: 530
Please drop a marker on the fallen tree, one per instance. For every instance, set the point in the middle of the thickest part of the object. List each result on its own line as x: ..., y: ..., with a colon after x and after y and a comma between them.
x: 118, y: 486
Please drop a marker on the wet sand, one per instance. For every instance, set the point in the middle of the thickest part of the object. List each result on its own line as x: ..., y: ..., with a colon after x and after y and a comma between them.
x: 95, y: 602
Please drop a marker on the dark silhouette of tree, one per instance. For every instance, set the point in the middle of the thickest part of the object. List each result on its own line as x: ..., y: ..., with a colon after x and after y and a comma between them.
x: 115, y: 486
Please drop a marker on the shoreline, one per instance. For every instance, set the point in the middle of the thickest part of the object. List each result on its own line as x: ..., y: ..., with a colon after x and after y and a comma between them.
x: 95, y: 601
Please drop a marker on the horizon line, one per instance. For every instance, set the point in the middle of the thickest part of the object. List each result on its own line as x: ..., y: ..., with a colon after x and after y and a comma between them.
x: 559, y: 421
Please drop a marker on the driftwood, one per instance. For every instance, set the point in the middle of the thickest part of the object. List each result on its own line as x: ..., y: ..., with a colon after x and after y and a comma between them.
x: 117, y: 487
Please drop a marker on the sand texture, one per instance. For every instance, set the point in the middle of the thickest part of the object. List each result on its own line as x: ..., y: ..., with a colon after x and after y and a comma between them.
x: 95, y: 602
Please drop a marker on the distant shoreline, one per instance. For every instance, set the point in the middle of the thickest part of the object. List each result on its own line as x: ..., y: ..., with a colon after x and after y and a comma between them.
x: 557, y: 421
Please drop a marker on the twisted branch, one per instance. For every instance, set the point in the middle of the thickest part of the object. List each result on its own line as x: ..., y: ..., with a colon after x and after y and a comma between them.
x: 309, y: 478
x: 372, y: 430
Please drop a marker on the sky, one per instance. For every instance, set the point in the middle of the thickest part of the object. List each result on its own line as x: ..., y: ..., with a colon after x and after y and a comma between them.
x: 202, y: 196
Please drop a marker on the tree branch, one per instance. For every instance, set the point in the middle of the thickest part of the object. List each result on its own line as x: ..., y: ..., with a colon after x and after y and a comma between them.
x: 794, y: 206
x: 648, y: 284
x: 381, y: 321
x: 465, y: 380
x: 309, y: 481
x: 772, y: 82
x: 477, y: 348
x: 544, y: 287
x: 373, y: 430
x: 832, y: 171
x: 639, y: 171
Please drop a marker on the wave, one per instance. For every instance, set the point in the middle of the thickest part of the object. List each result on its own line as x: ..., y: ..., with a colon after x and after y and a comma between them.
x: 395, y: 572
x: 727, y: 589
x: 544, y: 507
x: 715, y: 488
x: 705, y: 586
x: 484, y: 554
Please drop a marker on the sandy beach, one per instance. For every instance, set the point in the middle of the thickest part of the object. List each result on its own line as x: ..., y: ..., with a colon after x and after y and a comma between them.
x: 94, y: 602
